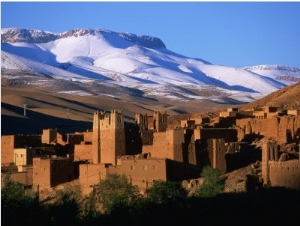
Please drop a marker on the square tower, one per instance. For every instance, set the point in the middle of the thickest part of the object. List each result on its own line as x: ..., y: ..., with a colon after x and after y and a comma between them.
x: 112, y: 137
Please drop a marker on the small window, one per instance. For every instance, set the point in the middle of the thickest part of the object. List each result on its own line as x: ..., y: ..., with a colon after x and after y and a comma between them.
x: 145, y: 167
x: 132, y: 167
x: 154, y: 167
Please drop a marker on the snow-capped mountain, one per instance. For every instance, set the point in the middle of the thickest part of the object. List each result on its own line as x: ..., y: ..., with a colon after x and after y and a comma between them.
x: 89, y: 58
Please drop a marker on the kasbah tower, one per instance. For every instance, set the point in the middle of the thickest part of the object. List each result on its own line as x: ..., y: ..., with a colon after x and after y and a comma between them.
x: 108, y: 137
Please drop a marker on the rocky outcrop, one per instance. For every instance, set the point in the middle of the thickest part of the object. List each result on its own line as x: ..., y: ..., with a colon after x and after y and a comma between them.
x: 13, y: 35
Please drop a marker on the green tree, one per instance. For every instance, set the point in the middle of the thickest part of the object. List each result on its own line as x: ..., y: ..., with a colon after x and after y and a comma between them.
x: 17, y: 205
x: 166, y: 192
x: 66, y: 208
x: 116, y: 193
x: 212, y: 185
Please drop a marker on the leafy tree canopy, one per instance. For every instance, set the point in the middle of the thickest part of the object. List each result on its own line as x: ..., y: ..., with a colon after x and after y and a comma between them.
x: 212, y: 185
x: 166, y: 191
x: 116, y: 192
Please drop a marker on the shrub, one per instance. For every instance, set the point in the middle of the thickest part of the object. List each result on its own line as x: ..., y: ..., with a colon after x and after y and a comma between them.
x: 212, y: 184
x: 166, y: 192
x: 17, y: 205
x: 116, y: 193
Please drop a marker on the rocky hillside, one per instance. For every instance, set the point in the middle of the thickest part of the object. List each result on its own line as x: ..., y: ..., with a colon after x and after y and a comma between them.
x: 285, y: 98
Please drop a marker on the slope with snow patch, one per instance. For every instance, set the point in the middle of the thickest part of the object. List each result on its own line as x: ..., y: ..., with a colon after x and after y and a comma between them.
x: 140, y: 62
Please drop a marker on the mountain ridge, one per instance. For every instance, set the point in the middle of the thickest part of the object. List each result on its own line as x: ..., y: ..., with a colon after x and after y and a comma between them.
x: 119, y: 67
x: 14, y: 35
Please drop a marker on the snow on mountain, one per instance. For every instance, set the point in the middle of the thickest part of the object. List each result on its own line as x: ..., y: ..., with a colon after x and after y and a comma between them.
x: 139, y: 62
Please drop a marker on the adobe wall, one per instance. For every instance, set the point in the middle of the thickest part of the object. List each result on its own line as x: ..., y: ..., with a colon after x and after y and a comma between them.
x: 216, y: 151
x: 49, y: 136
x: 24, y: 178
x: 189, y: 148
x: 147, y: 149
x: 174, y: 144
x: 92, y: 174
x: 269, y: 152
x: 7, y: 149
x: 187, y: 123
x: 87, y: 136
x: 61, y: 139
x: 293, y: 112
x: 276, y: 171
x: 147, y: 137
x: 282, y: 129
x: 10, y: 142
x: 133, y: 139
x: 112, y: 138
x: 225, y: 122
x: 178, y: 171
x: 159, y: 149
x: 51, y: 172
x: 96, y: 137
x: 141, y: 120
x: 285, y: 174
x: 83, y: 152
x: 143, y: 172
x: 20, y: 156
x: 75, y: 138
x: 160, y: 122
x: 41, y: 173
x: 229, y: 135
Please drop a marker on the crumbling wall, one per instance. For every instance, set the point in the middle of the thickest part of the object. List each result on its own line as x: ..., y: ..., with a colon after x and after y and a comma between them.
x: 216, y: 151
x: 285, y: 174
x: 282, y: 129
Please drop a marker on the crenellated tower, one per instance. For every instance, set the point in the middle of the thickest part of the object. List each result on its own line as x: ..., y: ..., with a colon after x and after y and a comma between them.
x: 160, y: 123
x: 112, y: 136
x: 96, y: 136
x: 142, y: 121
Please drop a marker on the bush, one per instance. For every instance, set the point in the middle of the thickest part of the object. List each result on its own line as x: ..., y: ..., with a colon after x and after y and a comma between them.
x: 17, y: 205
x: 166, y: 192
x: 115, y: 193
x: 212, y: 184
x: 66, y: 208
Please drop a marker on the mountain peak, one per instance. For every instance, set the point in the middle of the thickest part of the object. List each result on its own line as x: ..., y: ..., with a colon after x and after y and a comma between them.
x: 14, y: 35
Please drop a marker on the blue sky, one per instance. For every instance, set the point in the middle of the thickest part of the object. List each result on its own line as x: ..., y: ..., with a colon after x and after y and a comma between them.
x: 235, y: 34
